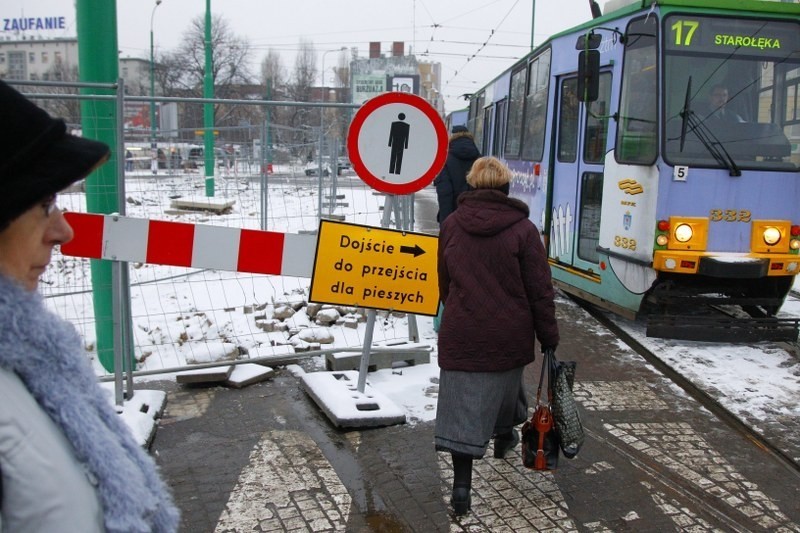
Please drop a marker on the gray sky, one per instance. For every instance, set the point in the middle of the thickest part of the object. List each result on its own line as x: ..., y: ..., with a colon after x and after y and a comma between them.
x: 474, y: 40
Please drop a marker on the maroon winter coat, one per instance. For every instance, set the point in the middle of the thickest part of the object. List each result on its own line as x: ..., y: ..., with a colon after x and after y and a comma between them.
x: 495, y: 283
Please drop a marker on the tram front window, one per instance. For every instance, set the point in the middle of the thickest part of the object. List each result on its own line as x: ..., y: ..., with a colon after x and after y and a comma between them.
x: 732, y: 93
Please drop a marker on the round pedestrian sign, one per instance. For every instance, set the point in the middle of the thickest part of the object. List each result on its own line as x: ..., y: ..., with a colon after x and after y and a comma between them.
x: 397, y: 143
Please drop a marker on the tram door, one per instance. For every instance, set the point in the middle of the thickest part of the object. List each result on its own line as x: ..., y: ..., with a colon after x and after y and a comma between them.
x: 581, y: 144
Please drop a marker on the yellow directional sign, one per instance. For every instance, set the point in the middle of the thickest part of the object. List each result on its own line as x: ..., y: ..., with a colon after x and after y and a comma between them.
x: 376, y: 268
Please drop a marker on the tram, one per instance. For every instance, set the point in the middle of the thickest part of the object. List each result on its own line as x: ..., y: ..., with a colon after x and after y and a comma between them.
x: 650, y: 202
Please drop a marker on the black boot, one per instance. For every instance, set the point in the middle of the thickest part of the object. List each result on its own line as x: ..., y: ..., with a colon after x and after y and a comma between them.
x: 461, y: 499
x: 505, y: 443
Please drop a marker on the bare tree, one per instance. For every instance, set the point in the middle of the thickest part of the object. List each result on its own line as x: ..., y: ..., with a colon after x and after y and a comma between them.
x: 68, y: 109
x: 182, y: 72
x: 273, y: 77
x: 342, y: 70
x: 230, y: 58
x: 299, y: 89
x: 272, y: 70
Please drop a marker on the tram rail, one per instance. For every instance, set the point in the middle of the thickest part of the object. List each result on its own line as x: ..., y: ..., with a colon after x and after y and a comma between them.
x: 697, y: 393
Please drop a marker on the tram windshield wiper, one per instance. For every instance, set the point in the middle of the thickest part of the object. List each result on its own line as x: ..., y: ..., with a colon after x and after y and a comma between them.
x: 712, y: 143
x: 691, y: 122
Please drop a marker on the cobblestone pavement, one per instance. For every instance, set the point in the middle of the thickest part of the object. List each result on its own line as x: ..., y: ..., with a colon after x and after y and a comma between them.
x: 264, y: 458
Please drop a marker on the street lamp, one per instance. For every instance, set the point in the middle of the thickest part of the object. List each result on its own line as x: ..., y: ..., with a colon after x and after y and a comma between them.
x: 153, y: 144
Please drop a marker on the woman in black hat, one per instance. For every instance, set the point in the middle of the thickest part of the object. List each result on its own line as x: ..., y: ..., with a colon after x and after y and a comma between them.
x: 68, y: 462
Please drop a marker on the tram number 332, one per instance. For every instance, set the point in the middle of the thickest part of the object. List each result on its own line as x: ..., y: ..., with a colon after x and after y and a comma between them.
x: 729, y: 215
x: 625, y: 242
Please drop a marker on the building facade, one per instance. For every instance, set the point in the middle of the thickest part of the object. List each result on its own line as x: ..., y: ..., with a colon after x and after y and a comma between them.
x: 38, y: 59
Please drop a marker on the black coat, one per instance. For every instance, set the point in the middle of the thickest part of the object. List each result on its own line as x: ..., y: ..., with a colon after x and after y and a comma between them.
x: 495, y: 283
x: 452, y: 180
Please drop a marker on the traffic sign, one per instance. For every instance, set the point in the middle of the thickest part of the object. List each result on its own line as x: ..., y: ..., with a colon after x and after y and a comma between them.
x: 375, y: 268
x: 397, y: 143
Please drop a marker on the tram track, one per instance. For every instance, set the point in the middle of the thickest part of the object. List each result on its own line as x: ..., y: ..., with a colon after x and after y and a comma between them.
x: 671, y: 482
x: 697, y: 393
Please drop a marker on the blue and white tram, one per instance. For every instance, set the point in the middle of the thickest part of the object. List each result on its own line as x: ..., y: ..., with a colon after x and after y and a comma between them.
x: 644, y: 194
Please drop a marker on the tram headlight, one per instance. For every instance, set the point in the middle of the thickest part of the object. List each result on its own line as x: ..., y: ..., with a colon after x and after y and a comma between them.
x: 772, y: 235
x: 662, y: 240
x: 794, y: 244
x: 683, y: 232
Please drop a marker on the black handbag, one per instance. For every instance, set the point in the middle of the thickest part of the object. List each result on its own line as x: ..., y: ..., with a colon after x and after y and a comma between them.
x: 539, y: 434
x: 565, y: 411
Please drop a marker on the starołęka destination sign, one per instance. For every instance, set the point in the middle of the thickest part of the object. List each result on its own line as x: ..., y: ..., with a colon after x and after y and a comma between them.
x: 375, y: 268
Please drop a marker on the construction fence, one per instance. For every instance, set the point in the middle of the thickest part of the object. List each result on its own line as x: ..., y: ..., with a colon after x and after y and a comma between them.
x: 265, y: 176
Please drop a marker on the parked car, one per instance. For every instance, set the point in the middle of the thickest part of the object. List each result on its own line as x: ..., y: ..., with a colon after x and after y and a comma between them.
x: 313, y: 170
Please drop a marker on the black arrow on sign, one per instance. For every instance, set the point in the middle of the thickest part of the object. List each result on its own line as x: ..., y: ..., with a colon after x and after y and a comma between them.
x: 416, y: 250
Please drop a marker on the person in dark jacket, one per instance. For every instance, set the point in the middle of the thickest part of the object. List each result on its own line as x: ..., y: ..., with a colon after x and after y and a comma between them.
x: 452, y: 180
x: 498, y: 297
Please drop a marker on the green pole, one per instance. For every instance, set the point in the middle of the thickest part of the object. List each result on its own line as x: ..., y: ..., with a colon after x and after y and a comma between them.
x: 533, y: 18
x: 97, y: 57
x: 208, y: 109
x: 153, y: 142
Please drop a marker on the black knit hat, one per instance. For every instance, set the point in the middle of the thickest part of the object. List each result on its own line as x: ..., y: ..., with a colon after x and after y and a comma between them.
x: 38, y: 158
x: 459, y: 129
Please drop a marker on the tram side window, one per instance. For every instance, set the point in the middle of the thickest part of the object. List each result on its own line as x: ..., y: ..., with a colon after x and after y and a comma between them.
x: 479, y: 117
x: 568, y: 122
x: 472, y: 119
x: 486, y: 138
x: 594, y: 148
x: 536, y: 108
x: 636, y: 132
x: 589, y: 226
x: 515, y: 110
x: 499, y: 127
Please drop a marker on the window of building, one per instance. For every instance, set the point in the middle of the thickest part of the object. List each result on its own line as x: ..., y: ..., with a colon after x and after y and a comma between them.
x: 31, y: 57
x: 16, y: 66
x: 45, y: 59
x: 57, y: 57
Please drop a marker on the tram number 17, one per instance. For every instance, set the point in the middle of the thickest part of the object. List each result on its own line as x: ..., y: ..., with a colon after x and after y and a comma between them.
x: 684, y: 31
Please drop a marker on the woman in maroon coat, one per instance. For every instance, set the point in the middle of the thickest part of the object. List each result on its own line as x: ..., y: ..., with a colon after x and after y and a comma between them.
x: 495, y: 284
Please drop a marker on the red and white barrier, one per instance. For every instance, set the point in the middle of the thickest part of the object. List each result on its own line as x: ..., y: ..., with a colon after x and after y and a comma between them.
x: 161, y: 242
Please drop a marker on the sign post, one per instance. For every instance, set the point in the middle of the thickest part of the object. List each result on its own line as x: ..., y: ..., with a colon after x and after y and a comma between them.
x: 397, y: 144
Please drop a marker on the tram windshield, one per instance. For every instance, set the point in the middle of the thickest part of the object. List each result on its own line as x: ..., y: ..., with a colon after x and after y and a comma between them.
x: 732, y: 93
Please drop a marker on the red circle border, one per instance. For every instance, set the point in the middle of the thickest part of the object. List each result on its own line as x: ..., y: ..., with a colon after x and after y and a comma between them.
x: 358, y: 122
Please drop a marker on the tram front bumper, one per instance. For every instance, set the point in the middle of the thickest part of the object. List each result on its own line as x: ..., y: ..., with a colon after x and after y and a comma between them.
x: 739, y: 266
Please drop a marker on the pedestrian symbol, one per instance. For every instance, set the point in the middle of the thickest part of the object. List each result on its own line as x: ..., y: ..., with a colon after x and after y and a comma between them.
x: 398, y: 140
x: 397, y: 143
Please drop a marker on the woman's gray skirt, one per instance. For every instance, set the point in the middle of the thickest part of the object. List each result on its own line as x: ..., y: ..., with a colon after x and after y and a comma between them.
x: 474, y: 406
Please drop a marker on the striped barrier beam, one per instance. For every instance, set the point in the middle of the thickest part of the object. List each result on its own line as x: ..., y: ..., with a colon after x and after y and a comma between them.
x: 119, y: 238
